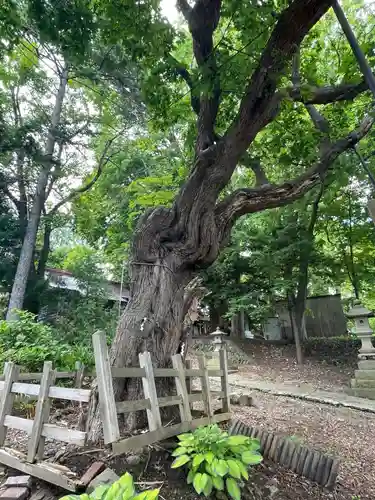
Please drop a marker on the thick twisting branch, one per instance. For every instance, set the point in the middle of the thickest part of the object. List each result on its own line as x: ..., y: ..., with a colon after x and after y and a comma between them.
x: 203, y: 19
x: 244, y: 201
x: 260, y: 101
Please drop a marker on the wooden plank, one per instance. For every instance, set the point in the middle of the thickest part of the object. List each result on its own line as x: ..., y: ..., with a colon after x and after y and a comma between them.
x: 11, y: 372
x: 136, y: 442
x: 41, y: 413
x: 165, y: 372
x: 70, y: 394
x: 144, y: 404
x: 48, y: 430
x: 79, y: 374
x: 197, y: 396
x: 149, y: 389
x: 41, y: 470
x: 188, y: 380
x: 58, y: 433
x: 215, y: 373
x: 205, y: 386
x: 178, y: 365
x: 37, y: 376
x: 224, y: 379
x: 169, y: 401
x: 128, y: 406
x: 20, y: 423
x: 107, y: 403
x: 189, y: 372
x: 127, y: 372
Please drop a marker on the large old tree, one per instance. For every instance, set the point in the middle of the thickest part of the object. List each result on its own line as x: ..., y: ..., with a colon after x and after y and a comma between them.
x: 171, y: 245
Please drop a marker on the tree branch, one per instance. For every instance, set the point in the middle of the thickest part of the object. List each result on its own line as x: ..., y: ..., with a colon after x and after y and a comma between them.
x: 202, y: 20
x: 104, y: 159
x: 246, y: 200
x: 308, y: 94
x: 185, y: 75
x: 258, y: 105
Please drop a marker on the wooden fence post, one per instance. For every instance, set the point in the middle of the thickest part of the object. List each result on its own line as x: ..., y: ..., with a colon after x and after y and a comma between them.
x: 188, y: 381
x: 36, y: 440
x: 224, y: 379
x: 107, y: 403
x: 205, y: 382
x: 181, y: 388
x: 149, y: 389
x: 11, y: 372
x: 79, y: 369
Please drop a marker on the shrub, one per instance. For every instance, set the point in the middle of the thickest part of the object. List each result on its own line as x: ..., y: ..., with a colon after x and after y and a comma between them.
x: 29, y: 343
x: 123, y: 489
x: 335, y: 350
x: 216, y: 460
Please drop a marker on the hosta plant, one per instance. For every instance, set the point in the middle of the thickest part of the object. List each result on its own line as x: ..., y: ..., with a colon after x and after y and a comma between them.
x: 215, y: 460
x: 123, y: 489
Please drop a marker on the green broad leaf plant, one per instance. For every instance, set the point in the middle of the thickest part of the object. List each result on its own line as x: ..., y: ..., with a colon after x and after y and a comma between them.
x: 215, y: 460
x: 122, y: 489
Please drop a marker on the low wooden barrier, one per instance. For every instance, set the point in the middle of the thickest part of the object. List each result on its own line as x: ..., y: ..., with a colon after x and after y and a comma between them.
x: 151, y: 402
x: 38, y: 429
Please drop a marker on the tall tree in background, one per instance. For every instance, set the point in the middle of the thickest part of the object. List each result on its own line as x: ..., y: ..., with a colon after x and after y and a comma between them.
x: 52, y: 115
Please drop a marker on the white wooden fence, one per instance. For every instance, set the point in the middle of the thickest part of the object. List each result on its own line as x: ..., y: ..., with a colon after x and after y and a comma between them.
x: 151, y: 402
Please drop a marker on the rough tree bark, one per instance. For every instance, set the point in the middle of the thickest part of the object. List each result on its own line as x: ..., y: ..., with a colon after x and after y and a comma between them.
x: 17, y: 296
x: 171, y: 245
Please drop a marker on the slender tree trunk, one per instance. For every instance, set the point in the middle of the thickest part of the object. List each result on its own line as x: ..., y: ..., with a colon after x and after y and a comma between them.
x: 295, y: 329
x: 303, y: 273
x: 17, y: 296
x: 44, y: 253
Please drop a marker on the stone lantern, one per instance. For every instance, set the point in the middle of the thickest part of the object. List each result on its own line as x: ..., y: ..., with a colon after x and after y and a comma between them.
x: 218, y: 338
x: 362, y: 329
x: 213, y: 360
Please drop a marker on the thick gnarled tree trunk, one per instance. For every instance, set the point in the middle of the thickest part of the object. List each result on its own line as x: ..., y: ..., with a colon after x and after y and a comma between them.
x: 152, y: 321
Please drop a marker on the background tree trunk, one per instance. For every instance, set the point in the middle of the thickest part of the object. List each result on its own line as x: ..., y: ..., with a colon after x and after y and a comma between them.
x: 17, y: 296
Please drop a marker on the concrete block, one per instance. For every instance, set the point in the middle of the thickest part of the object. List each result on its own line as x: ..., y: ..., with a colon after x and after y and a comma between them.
x: 19, y: 481
x: 362, y: 393
x: 94, y: 470
x: 362, y: 382
x: 366, y: 374
x: 108, y: 476
x: 15, y: 493
x: 366, y: 364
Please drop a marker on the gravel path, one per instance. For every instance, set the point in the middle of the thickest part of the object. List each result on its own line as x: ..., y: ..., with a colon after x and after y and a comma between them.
x: 343, y: 432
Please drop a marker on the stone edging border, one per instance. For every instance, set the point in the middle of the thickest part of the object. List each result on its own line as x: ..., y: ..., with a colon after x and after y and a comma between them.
x: 302, y: 460
x: 310, y: 397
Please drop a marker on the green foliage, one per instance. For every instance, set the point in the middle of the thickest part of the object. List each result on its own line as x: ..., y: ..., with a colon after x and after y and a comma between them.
x: 10, y: 239
x: 123, y: 489
x: 215, y: 460
x: 29, y: 343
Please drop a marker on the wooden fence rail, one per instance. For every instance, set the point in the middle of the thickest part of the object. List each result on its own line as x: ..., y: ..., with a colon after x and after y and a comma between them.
x: 13, y: 383
x: 110, y: 408
x: 38, y: 429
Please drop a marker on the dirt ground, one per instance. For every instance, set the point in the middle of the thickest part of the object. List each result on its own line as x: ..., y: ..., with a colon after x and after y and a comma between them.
x: 342, y: 432
x: 278, y: 364
x: 267, y: 481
